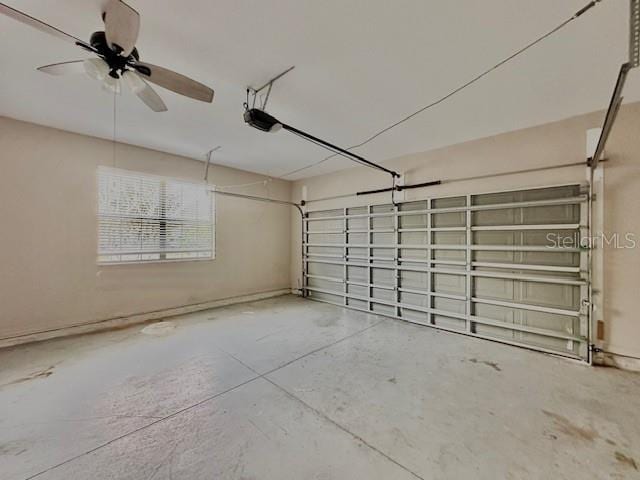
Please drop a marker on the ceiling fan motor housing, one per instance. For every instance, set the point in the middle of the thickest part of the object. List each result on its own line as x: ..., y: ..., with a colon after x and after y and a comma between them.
x: 117, y: 63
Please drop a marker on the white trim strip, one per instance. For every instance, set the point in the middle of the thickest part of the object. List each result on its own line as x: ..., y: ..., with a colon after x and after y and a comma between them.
x: 473, y: 208
x: 134, y: 319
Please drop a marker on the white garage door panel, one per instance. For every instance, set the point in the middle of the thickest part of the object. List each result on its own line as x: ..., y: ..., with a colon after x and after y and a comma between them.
x: 484, y: 265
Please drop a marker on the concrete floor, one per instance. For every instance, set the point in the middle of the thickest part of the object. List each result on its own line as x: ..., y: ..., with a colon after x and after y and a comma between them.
x: 290, y: 388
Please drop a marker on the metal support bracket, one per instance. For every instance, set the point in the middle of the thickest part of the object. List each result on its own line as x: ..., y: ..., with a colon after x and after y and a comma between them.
x: 209, y: 156
x: 616, y: 98
x: 268, y: 86
x: 612, y: 112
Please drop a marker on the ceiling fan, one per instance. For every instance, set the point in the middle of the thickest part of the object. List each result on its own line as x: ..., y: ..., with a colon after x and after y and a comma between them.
x: 117, y: 58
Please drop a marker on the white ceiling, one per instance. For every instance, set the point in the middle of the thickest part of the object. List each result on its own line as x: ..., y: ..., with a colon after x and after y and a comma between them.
x: 360, y: 65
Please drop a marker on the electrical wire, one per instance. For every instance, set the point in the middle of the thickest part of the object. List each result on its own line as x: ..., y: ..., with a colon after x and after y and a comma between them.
x: 458, y: 89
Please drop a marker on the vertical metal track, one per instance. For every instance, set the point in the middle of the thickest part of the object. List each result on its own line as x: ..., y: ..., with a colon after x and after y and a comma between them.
x: 468, y: 279
x: 429, y: 255
x: 345, y: 256
x: 396, y: 260
x: 369, y: 260
x: 586, y: 329
x: 305, y: 252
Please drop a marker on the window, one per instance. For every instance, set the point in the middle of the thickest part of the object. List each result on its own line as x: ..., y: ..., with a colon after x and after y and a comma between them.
x: 147, y: 218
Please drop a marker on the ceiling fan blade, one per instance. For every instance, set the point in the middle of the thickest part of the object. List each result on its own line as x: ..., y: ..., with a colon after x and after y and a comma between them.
x: 149, y: 96
x: 64, y: 68
x: 122, y: 24
x: 174, y: 81
x: 39, y: 25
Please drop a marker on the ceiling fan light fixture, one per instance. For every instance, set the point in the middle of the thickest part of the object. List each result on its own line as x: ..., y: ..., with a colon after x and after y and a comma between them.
x: 96, y: 68
x: 134, y: 82
x: 115, y: 47
x: 111, y: 84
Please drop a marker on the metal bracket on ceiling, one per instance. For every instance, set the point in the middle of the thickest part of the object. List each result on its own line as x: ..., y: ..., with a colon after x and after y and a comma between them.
x: 209, y: 156
x: 268, y: 86
x: 616, y: 98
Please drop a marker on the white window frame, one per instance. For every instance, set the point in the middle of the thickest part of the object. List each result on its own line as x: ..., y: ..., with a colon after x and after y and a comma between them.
x: 145, y: 254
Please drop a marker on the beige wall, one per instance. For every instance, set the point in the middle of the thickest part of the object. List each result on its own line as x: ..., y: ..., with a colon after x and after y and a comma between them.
x: 48, y: 273
x: 49, y: 278
x: 551, y: 144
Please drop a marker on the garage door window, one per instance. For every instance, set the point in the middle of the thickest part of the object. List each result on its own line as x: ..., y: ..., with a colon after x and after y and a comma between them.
x: 148, y: 218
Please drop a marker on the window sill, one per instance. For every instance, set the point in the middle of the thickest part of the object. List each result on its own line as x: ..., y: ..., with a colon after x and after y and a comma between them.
x: 144, y: 262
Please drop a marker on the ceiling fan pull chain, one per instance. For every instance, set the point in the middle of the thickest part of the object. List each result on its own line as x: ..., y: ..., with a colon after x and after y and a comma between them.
x: 115, y: 95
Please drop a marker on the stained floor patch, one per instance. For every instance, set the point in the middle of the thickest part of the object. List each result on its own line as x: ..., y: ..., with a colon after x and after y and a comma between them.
x: 159, y: 328
x: 622, y: 458
x: 40, y: 374
x: 493, y: 365
x: 12, y: 448
x: 567, y: 427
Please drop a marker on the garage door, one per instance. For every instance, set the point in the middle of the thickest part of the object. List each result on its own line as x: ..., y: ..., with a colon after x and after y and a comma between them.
x: 503, y: 266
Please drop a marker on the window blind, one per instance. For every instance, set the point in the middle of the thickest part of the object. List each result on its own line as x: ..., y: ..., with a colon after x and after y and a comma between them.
x: 149, y: 218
